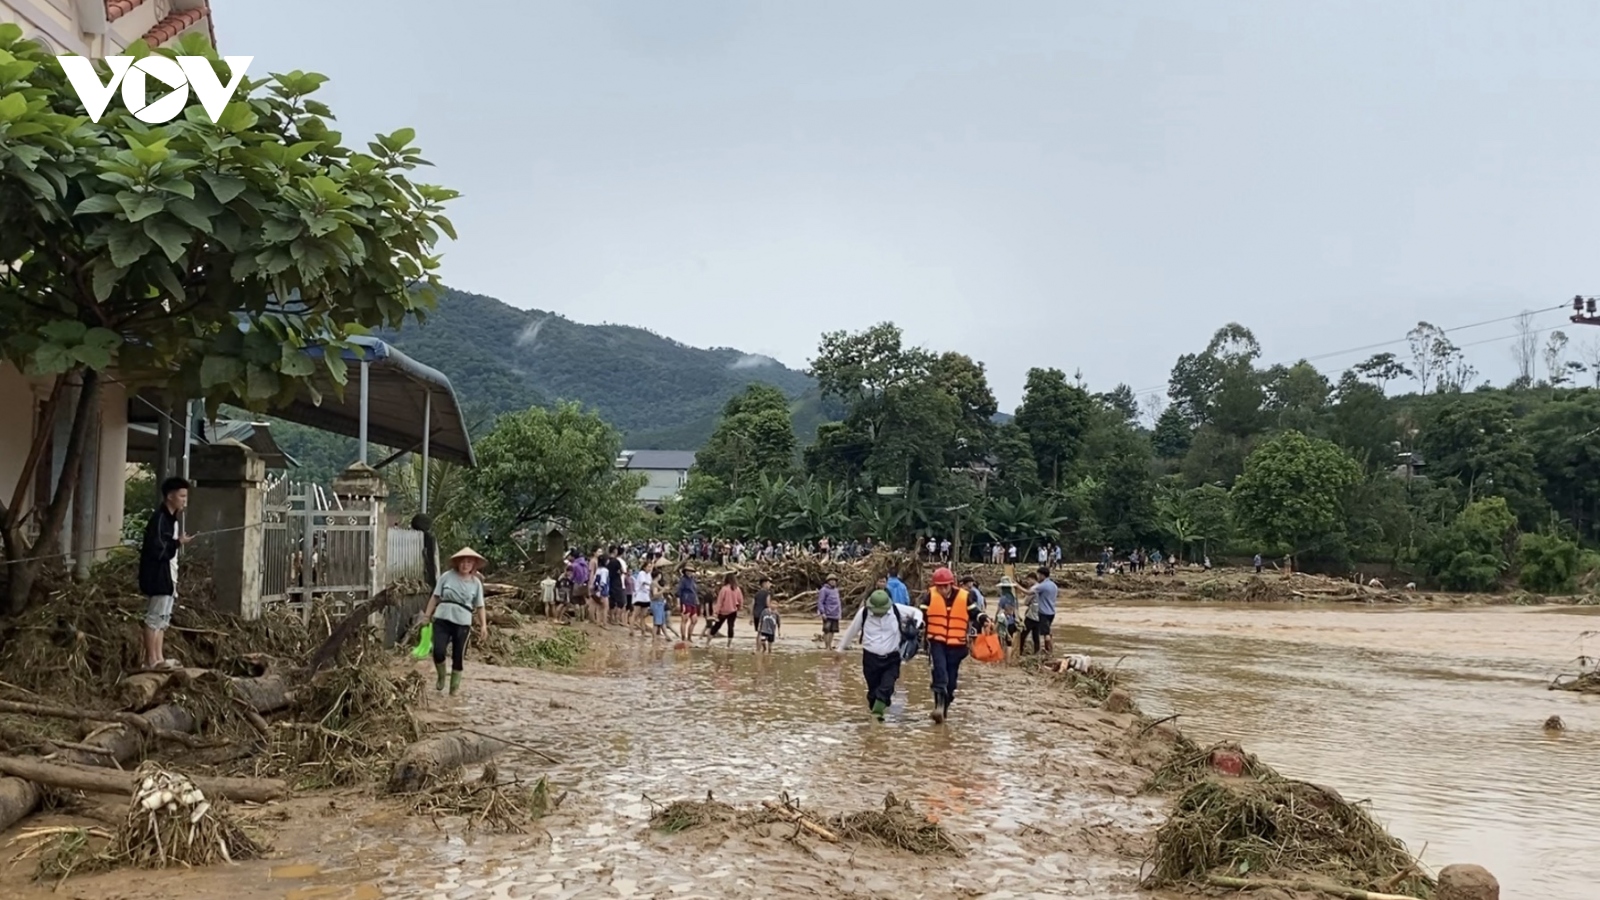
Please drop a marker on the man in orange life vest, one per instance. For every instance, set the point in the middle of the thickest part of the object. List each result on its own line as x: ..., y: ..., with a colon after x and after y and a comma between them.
x: 951, y: 614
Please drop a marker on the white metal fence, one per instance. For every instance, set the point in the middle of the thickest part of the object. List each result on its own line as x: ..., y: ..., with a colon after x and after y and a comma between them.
x: 313, y: 548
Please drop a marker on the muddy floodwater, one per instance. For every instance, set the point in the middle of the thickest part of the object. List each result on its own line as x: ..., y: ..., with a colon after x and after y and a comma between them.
x: 1433, y: 715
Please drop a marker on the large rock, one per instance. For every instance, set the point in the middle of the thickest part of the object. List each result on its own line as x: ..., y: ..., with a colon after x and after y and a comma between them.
x: 1466, y: 882
x: 1118, y: 701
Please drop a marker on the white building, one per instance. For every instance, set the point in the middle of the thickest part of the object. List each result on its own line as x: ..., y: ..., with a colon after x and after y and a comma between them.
x: 665, y: 471
x: 105, y: 27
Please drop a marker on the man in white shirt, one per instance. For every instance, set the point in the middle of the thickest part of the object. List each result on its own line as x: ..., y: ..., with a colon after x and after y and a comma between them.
x: 881, y: 624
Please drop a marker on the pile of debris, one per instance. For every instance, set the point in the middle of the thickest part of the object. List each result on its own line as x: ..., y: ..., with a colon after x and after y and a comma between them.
x: 1584, y: 681
x: 897, y: 826
x: 259, y: 709
x: 1280, y: 832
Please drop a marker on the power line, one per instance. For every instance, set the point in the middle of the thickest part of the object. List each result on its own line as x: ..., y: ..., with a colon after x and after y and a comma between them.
x: 1401, y: 340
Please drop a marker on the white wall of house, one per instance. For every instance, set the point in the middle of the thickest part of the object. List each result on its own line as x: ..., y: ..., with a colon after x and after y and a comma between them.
x: 660, y: 484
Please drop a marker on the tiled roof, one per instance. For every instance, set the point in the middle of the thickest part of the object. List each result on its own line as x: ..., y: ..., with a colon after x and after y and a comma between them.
x: 168, y: 28
x: 116, y: 9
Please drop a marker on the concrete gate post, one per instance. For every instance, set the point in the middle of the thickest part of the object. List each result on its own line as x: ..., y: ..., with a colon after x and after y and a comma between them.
x: 362, y: 487
x: 226, y: 505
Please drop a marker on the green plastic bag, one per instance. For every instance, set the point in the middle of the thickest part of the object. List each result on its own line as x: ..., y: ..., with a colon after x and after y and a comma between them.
x: 424, y: 643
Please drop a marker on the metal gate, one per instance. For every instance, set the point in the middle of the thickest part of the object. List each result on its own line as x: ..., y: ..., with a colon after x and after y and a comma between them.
x: 315, y: 550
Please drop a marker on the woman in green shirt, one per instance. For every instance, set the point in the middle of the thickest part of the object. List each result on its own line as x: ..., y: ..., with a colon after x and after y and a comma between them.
x: 456, y: 602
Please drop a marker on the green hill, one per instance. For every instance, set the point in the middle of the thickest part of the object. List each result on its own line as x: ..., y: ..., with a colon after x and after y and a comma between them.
x: 663, y: 393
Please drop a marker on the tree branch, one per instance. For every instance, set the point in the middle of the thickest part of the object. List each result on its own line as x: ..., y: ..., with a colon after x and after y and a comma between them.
x: 13, y: 512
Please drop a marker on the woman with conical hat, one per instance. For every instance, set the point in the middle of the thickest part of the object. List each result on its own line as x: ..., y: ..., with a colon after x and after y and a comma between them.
x: 456, y: 603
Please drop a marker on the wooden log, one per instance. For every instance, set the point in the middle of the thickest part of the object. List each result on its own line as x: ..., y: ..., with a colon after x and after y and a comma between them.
x: 1337, y: 890
x: 125, y: 742
x: 18, y: 798
x: 801, y: 819
x: 110, y: 781
x: 141, y: 690
x: 432, y: 757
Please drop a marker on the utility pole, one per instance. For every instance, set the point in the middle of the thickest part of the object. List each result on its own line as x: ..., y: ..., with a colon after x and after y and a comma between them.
x: 1583, y: 311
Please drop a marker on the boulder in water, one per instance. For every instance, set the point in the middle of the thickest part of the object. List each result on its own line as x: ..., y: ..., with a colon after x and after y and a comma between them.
x: 1466, y: 882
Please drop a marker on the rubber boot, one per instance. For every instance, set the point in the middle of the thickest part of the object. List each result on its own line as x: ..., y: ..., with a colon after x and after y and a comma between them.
x: 878, y: 708
x: 438, y: 685
x: 455, y: 683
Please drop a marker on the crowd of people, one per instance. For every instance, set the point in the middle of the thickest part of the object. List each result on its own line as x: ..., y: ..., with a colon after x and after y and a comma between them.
x: 628, y: 587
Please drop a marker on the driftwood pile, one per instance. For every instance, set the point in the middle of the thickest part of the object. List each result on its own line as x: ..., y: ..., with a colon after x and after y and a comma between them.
x: 260, y: 708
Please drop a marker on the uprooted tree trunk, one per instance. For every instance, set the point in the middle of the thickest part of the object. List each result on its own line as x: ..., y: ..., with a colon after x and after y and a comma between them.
x: 427, y: 759
x: 111, y: 781
x: 18, y: 798
x: 24, y: 560
x: 126, y: 739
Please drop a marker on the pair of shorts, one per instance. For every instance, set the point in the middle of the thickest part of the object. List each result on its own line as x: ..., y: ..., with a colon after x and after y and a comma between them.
x: 1044, y: 624
x: 641, y: 604
x: 830, y: 626
x: 658, y: 613
x: 768, y: 638
x: 618, y: 602
x: 691, y: 609
x: 158, y: 611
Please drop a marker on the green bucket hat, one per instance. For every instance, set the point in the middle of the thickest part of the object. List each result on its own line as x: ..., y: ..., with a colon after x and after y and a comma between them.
x: 878, y: 603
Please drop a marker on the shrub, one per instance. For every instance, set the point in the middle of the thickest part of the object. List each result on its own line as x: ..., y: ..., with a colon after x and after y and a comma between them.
x: 1547, y: 563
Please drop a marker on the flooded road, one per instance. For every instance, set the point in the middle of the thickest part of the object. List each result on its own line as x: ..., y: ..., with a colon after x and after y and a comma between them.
x: 1433, y: 715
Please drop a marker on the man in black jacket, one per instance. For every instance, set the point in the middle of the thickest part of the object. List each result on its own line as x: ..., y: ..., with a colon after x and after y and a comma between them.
x: 158, y: 568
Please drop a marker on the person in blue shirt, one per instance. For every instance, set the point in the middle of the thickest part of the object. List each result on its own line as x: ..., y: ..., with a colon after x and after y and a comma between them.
x: 898, y: 592
x: 1044, y: 600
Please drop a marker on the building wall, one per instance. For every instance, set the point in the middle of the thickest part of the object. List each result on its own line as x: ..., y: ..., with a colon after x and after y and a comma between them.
x: 660, y: 484
x: 20, y: 397
x: 82, y: 26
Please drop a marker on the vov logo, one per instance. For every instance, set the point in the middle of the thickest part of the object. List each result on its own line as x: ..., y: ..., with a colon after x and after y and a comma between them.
x: 179, y: 75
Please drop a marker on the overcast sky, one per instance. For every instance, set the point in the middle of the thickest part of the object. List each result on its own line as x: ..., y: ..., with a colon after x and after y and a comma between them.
x: 1092, y: 186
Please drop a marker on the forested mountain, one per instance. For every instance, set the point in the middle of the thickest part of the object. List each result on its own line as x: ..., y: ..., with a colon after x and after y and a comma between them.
x: 644, y: 384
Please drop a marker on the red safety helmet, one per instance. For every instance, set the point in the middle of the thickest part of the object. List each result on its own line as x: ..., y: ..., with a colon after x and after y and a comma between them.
x: 943, y: 576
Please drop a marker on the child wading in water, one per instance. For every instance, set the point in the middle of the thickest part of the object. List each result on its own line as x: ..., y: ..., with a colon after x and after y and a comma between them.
x: 658, y: 606
x: 767, y: 630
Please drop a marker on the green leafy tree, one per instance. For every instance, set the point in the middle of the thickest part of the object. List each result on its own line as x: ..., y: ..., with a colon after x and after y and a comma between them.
x: 754, y: 437
x: 966, y: 382
x: 1296, y: 396
x: 1219, y: 385
x: 1362, y: 422
x: 543, y: 465
x: 199, y: 258
x: 1172, y: 435
x: 1201, y: 515
x: 1292, y: 491
x: 1017, y: 472
x: 819, y: 510
x: 1055, y: 415
x: 1565, y: 437
x: 1470, y: 554
x: 1023, y: 520
x: 1479, y: 442
x: 1547, y: 563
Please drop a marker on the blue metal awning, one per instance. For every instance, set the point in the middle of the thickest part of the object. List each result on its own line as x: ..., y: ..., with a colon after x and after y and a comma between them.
x: 409, y: 406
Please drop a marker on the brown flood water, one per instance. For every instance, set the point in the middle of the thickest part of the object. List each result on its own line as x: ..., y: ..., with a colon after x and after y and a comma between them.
x: 1433, y: 715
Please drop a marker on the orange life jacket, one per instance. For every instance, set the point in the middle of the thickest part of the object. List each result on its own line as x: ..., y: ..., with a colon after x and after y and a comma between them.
x: 947, y: 623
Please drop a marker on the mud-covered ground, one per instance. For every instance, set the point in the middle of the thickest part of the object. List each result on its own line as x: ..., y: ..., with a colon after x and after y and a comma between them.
x: 1041, y: 786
